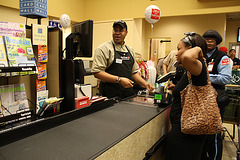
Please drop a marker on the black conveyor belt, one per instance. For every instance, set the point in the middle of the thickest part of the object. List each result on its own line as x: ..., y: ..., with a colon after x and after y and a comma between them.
x: 82, y: 138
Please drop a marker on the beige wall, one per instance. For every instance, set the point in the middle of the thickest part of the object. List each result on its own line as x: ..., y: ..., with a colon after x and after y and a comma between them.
x: 175, y: 27
x: 55, y: 8
x: 232, y: 30
x: 99, y: 10
x: 102, y: 10
x: 12, y: 15
x: 137, y: 31
x: 140, y: 31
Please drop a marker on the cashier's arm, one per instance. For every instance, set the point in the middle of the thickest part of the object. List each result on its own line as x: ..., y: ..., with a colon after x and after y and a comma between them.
x: 106, y: 77
x: 125, y: 82
x: 139, y: 80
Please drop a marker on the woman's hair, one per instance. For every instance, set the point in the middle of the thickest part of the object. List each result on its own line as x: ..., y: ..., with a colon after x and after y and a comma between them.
x: 193, y: 39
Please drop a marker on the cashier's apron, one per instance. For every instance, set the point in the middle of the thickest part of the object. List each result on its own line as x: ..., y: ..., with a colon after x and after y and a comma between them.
x: 121, y: 66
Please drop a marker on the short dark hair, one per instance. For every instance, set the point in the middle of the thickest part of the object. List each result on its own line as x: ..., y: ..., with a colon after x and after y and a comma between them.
x: 213, y: 34
x: 232, y: 50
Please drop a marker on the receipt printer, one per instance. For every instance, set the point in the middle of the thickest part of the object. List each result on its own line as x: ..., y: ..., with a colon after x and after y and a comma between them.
x: 82, y: 90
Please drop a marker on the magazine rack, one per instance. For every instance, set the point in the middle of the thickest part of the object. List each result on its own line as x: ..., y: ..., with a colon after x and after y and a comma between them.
x: 23, y: 67
x: 16, y: 117
x: 49, y: 106
x: 17, y: 69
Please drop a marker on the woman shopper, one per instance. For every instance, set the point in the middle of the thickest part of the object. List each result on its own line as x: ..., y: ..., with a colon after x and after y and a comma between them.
x: 191, y: 50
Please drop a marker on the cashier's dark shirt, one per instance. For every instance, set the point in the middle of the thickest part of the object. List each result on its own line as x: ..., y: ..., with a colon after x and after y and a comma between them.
x: 176, y: 110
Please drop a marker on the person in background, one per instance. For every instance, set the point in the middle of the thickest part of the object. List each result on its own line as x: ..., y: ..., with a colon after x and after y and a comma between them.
x: 138, y: 56
x: 168, y: 62
x: 225, y: 50
x: 114, y: 64
x: 236, y: 61
x: 142, y: 70
x: 191, y: 50
x: 159, y: 66
x: 220, y: 73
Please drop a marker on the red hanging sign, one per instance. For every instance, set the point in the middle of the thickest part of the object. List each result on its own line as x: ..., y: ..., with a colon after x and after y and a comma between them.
x: 155, y: 14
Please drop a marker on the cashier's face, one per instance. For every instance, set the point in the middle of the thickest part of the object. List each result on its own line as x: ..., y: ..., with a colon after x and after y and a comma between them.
x: 119, y: 34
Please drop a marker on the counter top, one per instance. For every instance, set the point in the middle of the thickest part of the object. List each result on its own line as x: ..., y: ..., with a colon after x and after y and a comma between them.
x: 83, y: 138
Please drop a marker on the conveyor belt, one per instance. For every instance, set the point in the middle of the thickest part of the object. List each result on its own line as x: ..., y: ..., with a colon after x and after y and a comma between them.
x: 82, y: 138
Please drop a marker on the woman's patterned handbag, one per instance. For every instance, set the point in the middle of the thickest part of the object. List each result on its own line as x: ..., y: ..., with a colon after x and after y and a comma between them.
x: 200, y: 111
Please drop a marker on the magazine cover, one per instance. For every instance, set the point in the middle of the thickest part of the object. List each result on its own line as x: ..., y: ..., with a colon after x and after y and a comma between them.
x: 42, y: 71
x: 13, y: 99
x: 3, y: 56
x: 19, y: 52
x: 41, y: 96
x: 12, y: 29
x: 42, y: 53
x: 40, y: 85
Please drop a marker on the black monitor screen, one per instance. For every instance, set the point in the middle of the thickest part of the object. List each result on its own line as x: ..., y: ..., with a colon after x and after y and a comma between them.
x: 238, y: 35
x: 83, y: 38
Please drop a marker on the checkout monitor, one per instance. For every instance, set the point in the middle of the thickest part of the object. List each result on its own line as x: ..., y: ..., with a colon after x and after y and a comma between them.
x: 80, y: 40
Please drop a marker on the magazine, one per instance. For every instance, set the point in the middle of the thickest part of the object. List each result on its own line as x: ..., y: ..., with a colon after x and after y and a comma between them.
x: 40, y: 85
x: 41, y: 96
x: 13, y: 99
x: 42, y: 53
x: 42, y: 71
x: 3, y: 56
x: 12, y: 29
x: 19, y: 53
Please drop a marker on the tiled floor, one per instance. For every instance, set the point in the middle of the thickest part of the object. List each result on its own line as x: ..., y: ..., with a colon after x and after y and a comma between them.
x: 229, y: 149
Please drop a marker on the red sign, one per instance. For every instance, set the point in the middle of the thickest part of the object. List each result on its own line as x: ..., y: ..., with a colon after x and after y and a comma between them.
x: 155, y: 14
x: 225, y: 61
x: 81, y: 102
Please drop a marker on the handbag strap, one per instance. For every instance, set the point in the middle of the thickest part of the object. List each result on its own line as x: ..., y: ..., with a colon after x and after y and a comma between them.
x: 208, y: 77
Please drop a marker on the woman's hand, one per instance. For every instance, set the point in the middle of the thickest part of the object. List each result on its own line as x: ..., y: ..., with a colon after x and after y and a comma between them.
x: 170, y: 86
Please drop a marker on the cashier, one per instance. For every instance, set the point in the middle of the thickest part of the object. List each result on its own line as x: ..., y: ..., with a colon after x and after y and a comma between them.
x: 115, y: 66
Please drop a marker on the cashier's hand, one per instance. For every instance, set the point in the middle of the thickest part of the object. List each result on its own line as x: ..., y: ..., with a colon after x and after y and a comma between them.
x: 149, y: 87
x: 126, y: 83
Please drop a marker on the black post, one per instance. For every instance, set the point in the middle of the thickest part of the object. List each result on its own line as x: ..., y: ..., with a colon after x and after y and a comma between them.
x: 39, y: 20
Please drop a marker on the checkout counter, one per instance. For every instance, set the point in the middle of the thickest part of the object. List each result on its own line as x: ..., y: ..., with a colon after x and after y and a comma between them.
x: 131, y: 129
x: 110, y: 129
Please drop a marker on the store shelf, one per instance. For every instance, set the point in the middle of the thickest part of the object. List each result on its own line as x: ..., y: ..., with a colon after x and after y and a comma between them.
x: 16, y: 117
x: 17, y: 69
